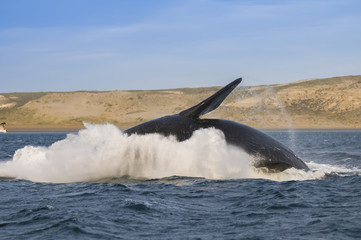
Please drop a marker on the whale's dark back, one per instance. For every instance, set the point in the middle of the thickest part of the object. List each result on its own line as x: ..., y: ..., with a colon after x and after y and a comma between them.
x: 267, y: 151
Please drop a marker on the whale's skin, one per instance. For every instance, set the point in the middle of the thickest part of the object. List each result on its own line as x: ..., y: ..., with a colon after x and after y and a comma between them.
x: 267, y: 151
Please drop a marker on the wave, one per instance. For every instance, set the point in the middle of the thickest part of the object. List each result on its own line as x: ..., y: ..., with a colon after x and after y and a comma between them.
x: 105, y: 152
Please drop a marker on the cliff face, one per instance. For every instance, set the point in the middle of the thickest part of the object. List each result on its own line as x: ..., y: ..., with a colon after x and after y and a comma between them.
x: 315, y: 103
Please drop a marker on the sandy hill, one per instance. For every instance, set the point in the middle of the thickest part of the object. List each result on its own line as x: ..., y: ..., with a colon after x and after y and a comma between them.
x: 315, y: 103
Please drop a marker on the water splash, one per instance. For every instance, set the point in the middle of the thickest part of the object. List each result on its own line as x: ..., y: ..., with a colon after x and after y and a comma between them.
x: 265, y: 105
x: 105, y: 152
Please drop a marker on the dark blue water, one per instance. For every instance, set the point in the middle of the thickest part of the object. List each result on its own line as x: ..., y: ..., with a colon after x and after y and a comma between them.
x: 325, y: 204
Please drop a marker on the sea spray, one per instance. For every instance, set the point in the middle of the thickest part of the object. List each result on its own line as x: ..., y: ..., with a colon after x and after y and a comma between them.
x: 105, y: 152
x: 266, y: 109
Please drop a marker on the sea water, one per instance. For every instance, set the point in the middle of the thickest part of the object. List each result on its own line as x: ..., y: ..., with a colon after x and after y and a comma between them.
x: 99, y: 183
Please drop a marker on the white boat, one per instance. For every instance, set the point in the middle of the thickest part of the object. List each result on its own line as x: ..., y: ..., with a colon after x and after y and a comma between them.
x: 2, y: 127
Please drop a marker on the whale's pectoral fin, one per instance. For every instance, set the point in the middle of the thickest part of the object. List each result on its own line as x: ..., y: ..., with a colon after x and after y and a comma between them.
x: 211, y: 103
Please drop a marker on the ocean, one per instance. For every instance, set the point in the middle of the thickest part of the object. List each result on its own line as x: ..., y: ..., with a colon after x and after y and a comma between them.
x: 101, y: 184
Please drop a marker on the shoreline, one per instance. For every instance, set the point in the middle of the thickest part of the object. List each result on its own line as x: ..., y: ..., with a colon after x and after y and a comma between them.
x: 18, y: 130
x: 77, y: 129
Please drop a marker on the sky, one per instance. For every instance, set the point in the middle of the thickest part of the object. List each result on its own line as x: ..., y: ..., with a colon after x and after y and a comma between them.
x: 70, y: 45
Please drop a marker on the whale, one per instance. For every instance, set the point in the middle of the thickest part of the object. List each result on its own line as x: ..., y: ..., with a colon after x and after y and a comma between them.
x: 266, y: 151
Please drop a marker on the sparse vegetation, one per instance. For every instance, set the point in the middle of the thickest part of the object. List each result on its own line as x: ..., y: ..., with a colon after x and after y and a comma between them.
x: 319, y: 103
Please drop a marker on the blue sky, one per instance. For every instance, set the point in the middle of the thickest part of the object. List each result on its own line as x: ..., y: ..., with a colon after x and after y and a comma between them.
x: 67, y: 45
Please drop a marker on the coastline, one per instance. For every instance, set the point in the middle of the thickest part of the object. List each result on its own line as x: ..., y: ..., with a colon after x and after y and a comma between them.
x: 310, y: 105
x: 52, y: 128
x: 43, y: 128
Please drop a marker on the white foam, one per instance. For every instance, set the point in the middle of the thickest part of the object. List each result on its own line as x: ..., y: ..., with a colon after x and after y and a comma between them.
x: 103, y: 151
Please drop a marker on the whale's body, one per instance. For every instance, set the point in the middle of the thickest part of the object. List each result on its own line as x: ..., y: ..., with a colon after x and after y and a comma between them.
x: 267, y: 151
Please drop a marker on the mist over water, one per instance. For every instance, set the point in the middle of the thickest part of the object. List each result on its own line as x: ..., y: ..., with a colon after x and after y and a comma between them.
x: 105, y: 152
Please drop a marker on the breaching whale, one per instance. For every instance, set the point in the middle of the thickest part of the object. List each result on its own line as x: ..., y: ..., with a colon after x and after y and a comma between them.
x: 266, y: 151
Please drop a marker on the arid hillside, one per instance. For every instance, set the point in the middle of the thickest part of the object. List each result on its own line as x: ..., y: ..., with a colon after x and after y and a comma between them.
x: 308, y: 104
